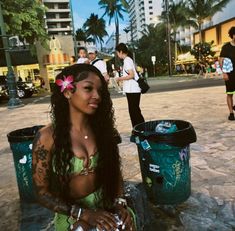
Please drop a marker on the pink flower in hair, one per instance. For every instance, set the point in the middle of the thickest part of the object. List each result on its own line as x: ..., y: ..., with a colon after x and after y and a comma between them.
x: 66, y: 83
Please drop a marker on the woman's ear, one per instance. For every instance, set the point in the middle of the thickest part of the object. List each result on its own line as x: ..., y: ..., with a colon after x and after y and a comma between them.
x: 67, y: 94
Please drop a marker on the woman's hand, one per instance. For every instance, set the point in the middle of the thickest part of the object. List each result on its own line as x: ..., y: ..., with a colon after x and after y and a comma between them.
x: 117, y: 79
x: 100, y: 219
x: 125, y: 217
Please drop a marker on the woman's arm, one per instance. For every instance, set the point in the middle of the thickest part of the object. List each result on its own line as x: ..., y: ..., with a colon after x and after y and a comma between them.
x: 42, y: 146
x: 130, y: 75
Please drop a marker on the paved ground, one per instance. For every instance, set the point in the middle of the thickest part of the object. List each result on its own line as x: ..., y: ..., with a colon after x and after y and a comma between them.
x: 212, y: 156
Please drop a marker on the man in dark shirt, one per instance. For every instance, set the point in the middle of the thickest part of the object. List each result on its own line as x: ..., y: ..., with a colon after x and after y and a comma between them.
x: 228, y: 51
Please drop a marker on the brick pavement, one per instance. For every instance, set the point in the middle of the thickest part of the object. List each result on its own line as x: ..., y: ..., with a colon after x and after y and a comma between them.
x: 212, y: 156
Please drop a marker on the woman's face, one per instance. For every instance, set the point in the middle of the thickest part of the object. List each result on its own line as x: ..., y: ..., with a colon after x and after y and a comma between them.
x: 120, y: 54
x: 87, y: 97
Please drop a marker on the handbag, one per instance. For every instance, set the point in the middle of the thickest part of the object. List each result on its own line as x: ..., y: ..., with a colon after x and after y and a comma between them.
x: 143, y: 84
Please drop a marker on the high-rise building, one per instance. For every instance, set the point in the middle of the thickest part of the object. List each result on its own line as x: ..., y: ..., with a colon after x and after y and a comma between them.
x: 185, y: 34
x: 141, y: 14
x: 58, y: 17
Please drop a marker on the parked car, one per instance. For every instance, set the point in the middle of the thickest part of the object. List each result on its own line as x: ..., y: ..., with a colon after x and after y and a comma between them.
x: 24, y: 89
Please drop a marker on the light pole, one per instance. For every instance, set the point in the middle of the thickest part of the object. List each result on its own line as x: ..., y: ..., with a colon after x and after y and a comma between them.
x: 74, y: 33
x: 168, y: 38
x: 14, y: 101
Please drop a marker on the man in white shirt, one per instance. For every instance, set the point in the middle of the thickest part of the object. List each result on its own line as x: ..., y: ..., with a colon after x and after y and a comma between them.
x: 98, y: 63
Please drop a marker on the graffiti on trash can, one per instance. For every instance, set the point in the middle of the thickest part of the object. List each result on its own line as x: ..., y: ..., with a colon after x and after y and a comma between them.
x: 23, y: 160
x: 184, y: 153
x: 154, y: 168
x: 148, y: 182
x: 178, y: 170
x: 174, y: 176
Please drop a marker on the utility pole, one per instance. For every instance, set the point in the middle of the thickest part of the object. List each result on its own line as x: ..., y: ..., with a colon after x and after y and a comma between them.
x: 168, y: 38
x: 74, y: 32
x: 14, y: 101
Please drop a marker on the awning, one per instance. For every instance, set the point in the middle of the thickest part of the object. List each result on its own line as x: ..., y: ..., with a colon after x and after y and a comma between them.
x: 21, y: 57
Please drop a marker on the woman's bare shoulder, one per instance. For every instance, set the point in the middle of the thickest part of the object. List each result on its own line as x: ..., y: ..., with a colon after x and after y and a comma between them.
x: 45, y: 136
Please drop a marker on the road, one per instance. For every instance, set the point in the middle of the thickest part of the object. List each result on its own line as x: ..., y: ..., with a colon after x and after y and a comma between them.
x: 157, y: 84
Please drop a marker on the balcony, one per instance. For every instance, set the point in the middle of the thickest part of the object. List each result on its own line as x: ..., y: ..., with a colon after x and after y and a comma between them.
x: 58, y: 10
x: 59, y: 29
x: 58, y: 19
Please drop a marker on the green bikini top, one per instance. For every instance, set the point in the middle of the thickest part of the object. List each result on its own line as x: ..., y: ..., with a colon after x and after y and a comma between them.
x: 77, y: 165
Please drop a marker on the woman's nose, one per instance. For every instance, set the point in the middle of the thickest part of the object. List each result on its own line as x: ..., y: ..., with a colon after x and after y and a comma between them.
x: 96, y: 94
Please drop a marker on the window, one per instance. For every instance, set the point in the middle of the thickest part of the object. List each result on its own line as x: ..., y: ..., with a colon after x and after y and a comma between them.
x: 63, y: 6
x: 50, y: 15
x: 52, y: 25
x: 150, y: 2
x: 151, y: 13
x: 150, y: 7
x: 64, y: 15
x: 49, y: 5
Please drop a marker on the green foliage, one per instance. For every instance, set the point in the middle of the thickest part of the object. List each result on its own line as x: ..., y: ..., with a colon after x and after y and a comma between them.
x: 25, y: 18
x: 114, y: 9
x: 200, y: 10
x: 202, y: 51
x: 95, y: 27
x: 81, y: 35
x: 153, y: 43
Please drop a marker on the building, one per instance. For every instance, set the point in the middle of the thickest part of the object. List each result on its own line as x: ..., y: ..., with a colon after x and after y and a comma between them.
x: 58, y: 17
x: 59, y: 25
x: 185, y: 35
x: 141, y: 14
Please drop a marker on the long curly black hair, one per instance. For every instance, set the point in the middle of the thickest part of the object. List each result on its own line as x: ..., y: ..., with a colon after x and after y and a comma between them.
x: 108, y: 172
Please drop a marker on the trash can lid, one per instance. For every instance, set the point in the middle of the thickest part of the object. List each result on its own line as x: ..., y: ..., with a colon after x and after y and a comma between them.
x: 183, y: 136
x: 24, y: 134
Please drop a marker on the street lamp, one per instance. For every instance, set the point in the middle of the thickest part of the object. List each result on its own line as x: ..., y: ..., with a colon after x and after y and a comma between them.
x: 14, y: 101
x: 74, y: 33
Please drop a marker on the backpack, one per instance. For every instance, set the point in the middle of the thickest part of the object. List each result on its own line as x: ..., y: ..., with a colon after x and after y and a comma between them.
x: 96, y: 60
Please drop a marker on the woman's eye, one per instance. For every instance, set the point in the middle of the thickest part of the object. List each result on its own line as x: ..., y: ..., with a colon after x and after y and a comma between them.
x: 88, y: 88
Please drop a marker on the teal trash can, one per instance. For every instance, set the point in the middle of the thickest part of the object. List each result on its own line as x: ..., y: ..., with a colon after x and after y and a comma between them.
x: 21, y: 146
x: 164, y: 160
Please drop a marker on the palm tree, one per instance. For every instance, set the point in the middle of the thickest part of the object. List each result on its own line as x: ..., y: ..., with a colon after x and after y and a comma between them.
x: 177, y: 18
x: 95, y: 27
x: 114, y: 9
x: 201, y: 10
x: 81, y: 35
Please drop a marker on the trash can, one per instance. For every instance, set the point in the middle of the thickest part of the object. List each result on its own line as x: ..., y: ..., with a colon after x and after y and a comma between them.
x: 164, y: 160
x: 21, y: 146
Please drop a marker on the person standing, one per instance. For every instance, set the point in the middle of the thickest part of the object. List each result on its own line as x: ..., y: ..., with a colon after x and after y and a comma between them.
x: 130, y: 86
x: 98, y: 63
x: 228, y: 53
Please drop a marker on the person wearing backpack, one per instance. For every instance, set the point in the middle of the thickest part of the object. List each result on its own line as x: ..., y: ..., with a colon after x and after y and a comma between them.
x: 98, y: 63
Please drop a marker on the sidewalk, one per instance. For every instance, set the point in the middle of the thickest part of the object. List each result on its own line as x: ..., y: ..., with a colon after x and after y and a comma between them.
x: 212, y: 204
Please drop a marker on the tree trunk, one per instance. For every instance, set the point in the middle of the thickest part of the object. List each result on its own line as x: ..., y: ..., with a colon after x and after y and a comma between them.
x: 117, y: 30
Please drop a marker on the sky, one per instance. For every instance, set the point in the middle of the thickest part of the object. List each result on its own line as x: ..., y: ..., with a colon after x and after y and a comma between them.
x: 82, y: 9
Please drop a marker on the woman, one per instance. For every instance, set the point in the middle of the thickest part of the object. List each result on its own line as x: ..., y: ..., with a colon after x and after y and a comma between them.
x: 76, y: 164
x: 228, y: 52
x: 130, y: 85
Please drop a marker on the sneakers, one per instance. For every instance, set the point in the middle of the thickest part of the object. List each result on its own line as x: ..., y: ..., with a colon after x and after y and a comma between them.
x: 231, y: 116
